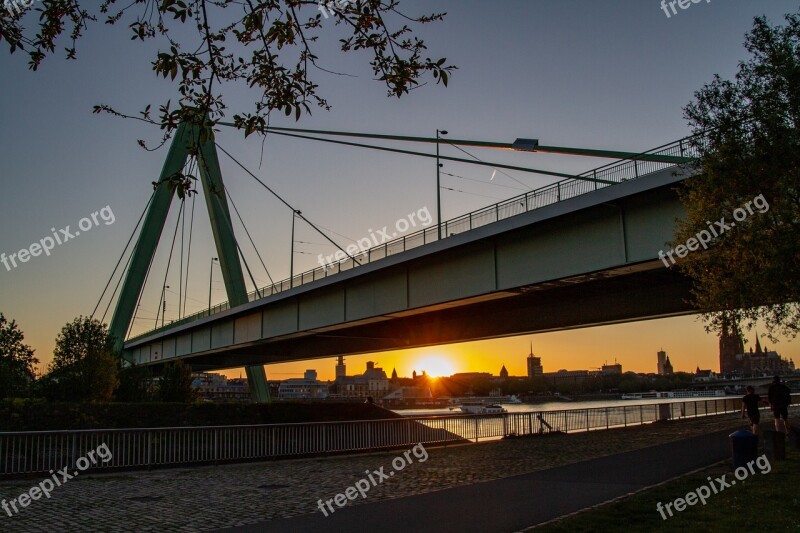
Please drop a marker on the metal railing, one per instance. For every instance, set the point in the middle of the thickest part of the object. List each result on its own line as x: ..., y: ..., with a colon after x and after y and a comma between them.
x: 27, y: 453
x: 609, y: 174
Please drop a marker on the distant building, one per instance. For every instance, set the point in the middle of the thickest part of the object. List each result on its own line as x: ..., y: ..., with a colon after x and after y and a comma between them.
x: 662, y: 360
x: 611, y: 370
x: 534, y: 365
x: 668, y: 368
x: 341, y: 369
x: 503, y: 372
x: 566, y: 376
x: 373, y: 382
x: 306, y: 388
x: 218, y: 388
x: 735, y: 361
x: 704, y: 375
x: 470, y: 375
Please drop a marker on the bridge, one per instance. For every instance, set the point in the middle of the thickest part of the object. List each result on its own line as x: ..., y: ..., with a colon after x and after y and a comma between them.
x: 580, y: 252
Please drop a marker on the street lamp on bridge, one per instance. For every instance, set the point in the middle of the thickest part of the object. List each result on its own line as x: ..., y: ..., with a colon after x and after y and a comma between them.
x: 291, y: 258
x: 438, y: 187
x: 210, y: 276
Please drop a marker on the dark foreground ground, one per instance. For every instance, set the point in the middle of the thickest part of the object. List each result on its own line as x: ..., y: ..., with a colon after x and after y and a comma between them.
x: 459, y: 480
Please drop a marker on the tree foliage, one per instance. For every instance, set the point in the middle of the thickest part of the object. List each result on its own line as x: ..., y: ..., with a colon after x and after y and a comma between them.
x: 135, y: 384
x: 84, y: 366
x: 204, y: 45
x: 175, y: 384
x: 16, y: 360
x: 749, y: 146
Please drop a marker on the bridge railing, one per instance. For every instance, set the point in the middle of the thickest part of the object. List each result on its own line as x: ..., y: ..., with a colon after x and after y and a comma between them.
x: 29, y: 453
x: 610, y: 174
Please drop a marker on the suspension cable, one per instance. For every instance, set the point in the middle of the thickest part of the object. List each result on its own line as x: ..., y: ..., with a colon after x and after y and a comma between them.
x: 169, y: 262
x: 479, y: 159
x: 189, y: 255
x: 180, y: 275
x: 236, y: 210
x: 450, y: 158
x: 133, y: 233
x: 288, y: 205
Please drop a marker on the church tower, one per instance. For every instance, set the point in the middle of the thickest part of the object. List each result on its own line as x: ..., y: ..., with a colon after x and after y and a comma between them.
x: 730, y: 344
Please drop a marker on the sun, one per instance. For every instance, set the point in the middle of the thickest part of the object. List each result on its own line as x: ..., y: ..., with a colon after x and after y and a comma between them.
x: 435, y: 366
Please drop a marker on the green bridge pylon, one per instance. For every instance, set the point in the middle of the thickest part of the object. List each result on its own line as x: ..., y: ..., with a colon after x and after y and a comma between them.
x: 198, y: 141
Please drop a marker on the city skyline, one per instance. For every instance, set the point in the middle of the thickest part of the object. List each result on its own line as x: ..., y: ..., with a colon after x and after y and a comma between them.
x: 477, y: 356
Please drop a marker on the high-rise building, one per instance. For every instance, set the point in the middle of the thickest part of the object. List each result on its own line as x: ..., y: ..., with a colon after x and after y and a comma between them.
x: 662, y: 359
x: 341, y: 369
x: 534, y: 365
x: 730, y: 345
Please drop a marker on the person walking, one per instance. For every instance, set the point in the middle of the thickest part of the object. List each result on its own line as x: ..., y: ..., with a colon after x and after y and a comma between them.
x: 780, y: 397
x: 750, y: 403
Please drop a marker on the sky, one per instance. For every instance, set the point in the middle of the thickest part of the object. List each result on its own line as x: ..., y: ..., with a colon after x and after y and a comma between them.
x: 604, y: 75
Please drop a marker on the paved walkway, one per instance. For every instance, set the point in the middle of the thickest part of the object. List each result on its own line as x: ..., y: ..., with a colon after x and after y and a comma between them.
x: 209, y: 498
x: 517, y: 502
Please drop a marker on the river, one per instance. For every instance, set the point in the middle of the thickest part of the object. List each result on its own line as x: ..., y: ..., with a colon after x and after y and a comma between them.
x: 556, y: 406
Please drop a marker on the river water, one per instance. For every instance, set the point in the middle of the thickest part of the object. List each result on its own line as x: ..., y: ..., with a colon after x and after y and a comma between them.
x: 556, y: 406
x: 568, y: 416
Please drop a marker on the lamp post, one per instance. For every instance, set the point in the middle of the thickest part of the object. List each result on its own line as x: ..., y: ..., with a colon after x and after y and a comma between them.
x: 163, y: 303
x: 210, y: 276
x: 291, y: 258
x: 438, y: 187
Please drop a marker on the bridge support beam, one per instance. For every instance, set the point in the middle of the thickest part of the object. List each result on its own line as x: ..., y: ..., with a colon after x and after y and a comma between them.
x: 199, y: 141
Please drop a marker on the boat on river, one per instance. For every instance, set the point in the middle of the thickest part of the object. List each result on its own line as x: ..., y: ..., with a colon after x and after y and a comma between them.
x: 655, y: 395
x: 477, y: 408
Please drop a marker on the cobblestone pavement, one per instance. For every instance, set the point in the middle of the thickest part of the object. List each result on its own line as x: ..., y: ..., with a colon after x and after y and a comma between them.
x: 213, y: 497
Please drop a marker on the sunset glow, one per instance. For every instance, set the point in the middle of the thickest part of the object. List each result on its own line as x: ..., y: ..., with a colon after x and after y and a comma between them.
x: 435, y: 365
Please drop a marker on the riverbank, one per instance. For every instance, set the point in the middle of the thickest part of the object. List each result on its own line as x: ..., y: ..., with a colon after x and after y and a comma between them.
x: 764, y: 501
x: 248, y: 493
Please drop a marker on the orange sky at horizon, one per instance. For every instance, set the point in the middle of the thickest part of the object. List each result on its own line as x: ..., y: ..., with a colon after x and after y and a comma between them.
x: 633, y: 344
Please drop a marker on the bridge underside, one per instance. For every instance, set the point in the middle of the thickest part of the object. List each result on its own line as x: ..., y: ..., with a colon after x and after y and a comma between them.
x: 585, y: 261
x: 645, y: 291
